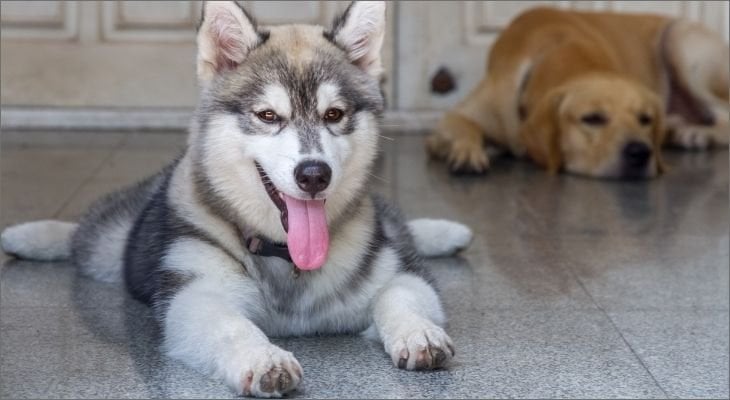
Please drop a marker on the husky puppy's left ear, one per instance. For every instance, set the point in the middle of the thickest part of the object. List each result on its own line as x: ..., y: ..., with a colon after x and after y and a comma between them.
x: 226, y: 34
x: 360, y: 30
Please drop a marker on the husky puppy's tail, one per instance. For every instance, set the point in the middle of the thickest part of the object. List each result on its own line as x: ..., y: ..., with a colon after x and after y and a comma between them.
x: 45, y: 240
x: 439, y: 237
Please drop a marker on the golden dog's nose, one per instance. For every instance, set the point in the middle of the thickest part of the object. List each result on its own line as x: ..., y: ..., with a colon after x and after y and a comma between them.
x: 636, y: 154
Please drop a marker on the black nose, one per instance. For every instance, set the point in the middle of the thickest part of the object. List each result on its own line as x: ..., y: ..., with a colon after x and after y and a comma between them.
x: 313, y: 176
x: 636, y: 154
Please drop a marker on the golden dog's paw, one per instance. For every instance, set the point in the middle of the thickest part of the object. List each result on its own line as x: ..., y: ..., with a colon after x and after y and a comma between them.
x: 689, y: 137
x: 467, y: 158
x: 437, y: 146
x: 695, y: 137
x: 460, y: 142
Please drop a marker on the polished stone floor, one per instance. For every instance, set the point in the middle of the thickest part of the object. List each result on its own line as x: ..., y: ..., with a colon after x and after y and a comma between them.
x: 572, y: 287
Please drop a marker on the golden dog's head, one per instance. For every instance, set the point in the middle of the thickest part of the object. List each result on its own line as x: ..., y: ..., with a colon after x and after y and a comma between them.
x: 598, y: 125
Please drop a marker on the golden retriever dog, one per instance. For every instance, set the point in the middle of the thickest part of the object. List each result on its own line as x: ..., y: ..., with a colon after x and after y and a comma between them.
x: 592, y: 93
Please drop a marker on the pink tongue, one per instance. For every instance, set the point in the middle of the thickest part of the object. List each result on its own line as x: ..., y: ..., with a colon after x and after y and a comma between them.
x: 307, y: 238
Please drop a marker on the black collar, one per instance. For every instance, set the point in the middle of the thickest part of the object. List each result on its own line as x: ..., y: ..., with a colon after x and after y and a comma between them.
x: 264, y: 248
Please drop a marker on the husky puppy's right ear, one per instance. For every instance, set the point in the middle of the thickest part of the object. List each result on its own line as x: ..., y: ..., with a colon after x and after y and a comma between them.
x: 226, y: 34
x: 360, y: 31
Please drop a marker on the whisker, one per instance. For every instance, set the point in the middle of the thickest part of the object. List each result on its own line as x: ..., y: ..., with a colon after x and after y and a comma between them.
x: 378, y: 178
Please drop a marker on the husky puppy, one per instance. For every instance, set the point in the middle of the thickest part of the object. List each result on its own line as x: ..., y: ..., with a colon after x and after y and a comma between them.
x: 265, y: 226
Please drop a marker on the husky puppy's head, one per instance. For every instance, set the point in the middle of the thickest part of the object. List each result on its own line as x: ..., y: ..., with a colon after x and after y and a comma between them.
x: 286, y: 127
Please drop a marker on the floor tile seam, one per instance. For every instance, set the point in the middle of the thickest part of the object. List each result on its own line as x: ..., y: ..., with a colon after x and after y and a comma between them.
x: 122, y: 142
x: 616, y: 329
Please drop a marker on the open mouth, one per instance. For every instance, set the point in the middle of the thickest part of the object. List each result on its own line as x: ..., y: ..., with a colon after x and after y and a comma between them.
x: 305, y: 224
x: 275, y: 195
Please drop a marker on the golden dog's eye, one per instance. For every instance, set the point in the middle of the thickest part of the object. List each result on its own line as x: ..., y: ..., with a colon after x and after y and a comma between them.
x: 645, y: 119
x: 268, y: 116
x: 594, y: 119
x: 333, y: 115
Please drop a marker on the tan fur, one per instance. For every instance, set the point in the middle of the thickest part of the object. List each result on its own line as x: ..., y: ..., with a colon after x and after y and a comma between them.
x: 297, y: 41
x: 555, y: 66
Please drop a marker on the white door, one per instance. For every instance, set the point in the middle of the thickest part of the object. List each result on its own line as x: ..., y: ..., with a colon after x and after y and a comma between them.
x: 117, y: 54
x: 454, y: 36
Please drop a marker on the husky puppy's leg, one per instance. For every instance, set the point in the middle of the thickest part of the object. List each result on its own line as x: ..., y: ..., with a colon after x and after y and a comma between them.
x: 407, y: 315
x: 407, y: 312
x: 207, y: 323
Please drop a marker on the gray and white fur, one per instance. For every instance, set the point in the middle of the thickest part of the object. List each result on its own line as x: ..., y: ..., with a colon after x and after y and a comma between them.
x: 175, y: 239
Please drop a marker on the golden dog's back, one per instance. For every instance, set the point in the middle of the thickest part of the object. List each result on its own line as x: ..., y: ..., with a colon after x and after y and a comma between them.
x: 623, y: 43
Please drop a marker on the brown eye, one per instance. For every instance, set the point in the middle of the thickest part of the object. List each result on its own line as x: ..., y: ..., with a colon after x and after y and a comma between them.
x: 645, y: 119
x: 333, y: 115
x: 267, y: 116
x: 594, y: 119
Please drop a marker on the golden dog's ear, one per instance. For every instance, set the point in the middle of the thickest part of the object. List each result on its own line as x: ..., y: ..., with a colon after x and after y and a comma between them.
x: 659, y: 130
x: 540, y: 133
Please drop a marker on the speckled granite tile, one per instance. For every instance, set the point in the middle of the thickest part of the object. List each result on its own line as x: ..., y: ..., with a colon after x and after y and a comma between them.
x: 92, y: 352
x: 98, y: 352
x: 508, y: 275
x: 686, y: 351
x: 668, y: 272
x: 526, y: 302
x: 500, y: 354
x: 34, y: 284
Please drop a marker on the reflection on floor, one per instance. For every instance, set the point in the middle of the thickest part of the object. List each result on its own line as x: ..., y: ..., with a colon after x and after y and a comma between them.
x: 572, y: 287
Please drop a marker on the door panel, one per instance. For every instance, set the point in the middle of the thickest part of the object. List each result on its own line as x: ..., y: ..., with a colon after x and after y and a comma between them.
x: 149, y: 21
x: 50, y: 20
x: 119, y: 53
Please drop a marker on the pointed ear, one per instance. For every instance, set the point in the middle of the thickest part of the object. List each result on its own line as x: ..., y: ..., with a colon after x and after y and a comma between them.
x: 360, y: 31
x: 226, y: 35
x: 540, y: 133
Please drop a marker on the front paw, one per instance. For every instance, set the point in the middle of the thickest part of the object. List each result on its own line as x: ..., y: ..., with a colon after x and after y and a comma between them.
x: 467, y: 158
x: 267, y: 371
x: 421, y: 348
x: 460, y: 142
x: 691, y: 137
